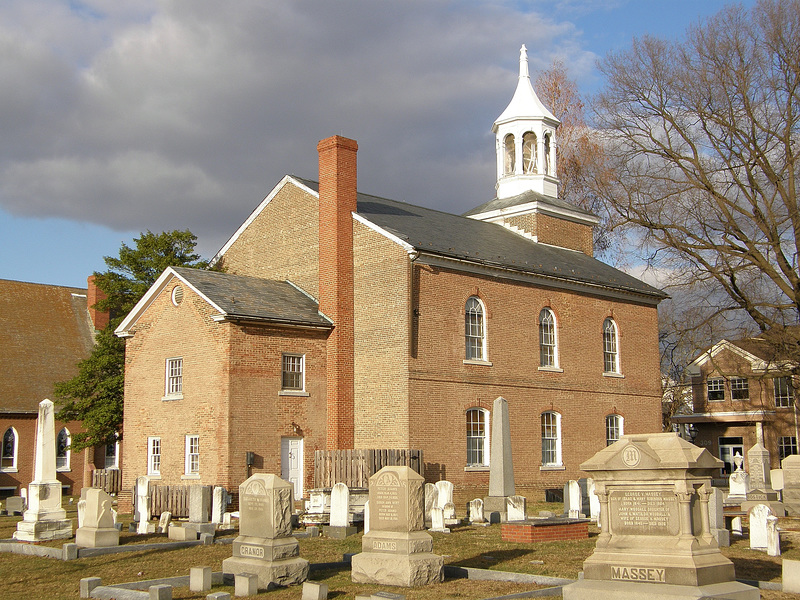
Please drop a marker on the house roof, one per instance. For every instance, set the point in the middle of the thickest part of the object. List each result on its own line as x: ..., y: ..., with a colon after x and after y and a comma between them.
x: 237, y: 297
x: 540, y: 201
x: 45, y: 330
x: 241, y: 297
x: 460, y: 238
x: 771, y: 350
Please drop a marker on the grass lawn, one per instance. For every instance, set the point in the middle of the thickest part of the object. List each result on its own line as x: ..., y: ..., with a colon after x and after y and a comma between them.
x: 33, y: 577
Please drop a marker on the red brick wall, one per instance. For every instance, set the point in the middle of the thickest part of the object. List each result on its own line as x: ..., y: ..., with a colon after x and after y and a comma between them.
x: 524, y: 533
x: 443, y: 387
x: 555, y: 231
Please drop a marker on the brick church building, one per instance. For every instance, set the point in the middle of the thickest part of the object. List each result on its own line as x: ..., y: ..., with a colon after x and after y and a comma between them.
x: 344, y: 320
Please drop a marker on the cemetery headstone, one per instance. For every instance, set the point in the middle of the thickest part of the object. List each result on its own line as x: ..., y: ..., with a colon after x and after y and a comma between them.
x: 431, y: 501
x: 397, y: 550
x: 445, y: 496
x: 98, y: 530
x: 143, y: 504
x: 15, y: 505
x: 758, y: 526
x: 773, y: 536
x: 449, y: 513
x: 437, y: 521
x: 594, y: 501
x: 516, y: 508
x: 716, y: 518
x: 163, y: 521
x: 219, y: 502
x: 791, y: 484
x: 758, y: 462
x: 501, y: 467
x: 776, y: 477
x: 200, y: 509
x: 265, y: 545
x: 655, y: 538
x: 81, y: 507
x: 736, y: 526
x: 476, y: 511
x: 366, y: 516
x: 340, y: 527
x: 44, y: 519
x: 573, y: 500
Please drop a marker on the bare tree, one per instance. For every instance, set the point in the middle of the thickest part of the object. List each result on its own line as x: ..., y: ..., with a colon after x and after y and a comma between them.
x: 579, y: 153
x: 701, y: 149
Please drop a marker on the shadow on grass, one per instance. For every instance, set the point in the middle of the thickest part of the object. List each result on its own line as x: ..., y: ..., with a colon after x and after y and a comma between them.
x: 756, y: 569
x: 492, y: 558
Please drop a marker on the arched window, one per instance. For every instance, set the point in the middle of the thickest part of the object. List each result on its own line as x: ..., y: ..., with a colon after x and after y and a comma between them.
x: 510, y: 154
x: 548, y: 356
x: 474, y: 330
x: 8, y: 452
x: 62, y: 450
x: 529, y: 153
x: 551, y: 439
x: 610, y: 350
x: 477, y: 437
x: 547, y: 154
x: 614, y: 431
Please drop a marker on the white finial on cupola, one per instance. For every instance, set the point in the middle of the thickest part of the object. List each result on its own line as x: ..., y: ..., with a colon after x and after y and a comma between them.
x: 526, y: 142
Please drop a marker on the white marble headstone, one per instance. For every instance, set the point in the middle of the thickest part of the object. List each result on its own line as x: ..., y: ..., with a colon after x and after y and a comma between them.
x: 773, y: 537
x: 445, y: 489
x: 594, y: 501
x: 340, y: 505
x: 476, y: 511
x: 431, y: 501
x: 366, y: 516
x: 143, y: 503
x: 758, y: 526
x: 437, y: 521
x: 516, y: 508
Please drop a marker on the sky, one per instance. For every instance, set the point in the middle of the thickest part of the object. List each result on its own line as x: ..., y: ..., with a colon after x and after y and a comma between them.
x: 121, y: 116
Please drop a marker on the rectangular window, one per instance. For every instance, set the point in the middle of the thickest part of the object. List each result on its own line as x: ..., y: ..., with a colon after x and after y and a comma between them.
x: 716, y: 389
x: 786, y: 446
x: 112, y: 450
x: 784, y: 392
x: 551, y: 443
x: 292, y: 372
x: 154, y: 456
x: 174, y: 378
x: 476, y: 437
x: 739, y: 388
x: 192, y: 466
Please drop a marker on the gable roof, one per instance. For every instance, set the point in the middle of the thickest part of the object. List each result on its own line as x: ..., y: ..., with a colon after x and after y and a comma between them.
x: 489, y: 244
x: 45, y: 330
x: 237, y: 298
x: 530, y: 201
x: 770, y: 351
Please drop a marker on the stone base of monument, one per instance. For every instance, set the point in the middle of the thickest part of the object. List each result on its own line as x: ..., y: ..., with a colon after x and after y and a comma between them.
x: 201, y: 527
x: 43, y: 530
x: 339, y: 532
x: 495, y: 504
x: 412, y: 570
x: 275, y: 561
x: 97, y: 537
x: 624, y: 590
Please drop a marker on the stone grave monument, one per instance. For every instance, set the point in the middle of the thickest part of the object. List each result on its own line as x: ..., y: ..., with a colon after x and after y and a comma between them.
x: 573, y: 500
x: 219, y: 502
x: 143, y: 505
x: 476, y: 512
x: 655, y: 539
x: 758, y: 462
x: 594, y: 501
x: 758, y: 526
x: 716, y: 518
x: 265, y: 545
x: 431, y: 501
x: 397, y: 550
x: 791, y: 484
x: 501, y: 467
x: 445, y: 495
x: 340, y: 526
x: 200, y: 510
x: 44, y: 519
x: 773, y: 536
x: 738, y: 482
x: 97, y: 529
x: 516, y: 508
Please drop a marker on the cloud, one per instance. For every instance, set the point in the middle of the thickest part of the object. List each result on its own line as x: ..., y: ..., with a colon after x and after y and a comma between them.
x: 184, y: 113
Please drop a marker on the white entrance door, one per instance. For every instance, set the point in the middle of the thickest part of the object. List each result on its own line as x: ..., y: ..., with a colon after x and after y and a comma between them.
x: 292, y: 463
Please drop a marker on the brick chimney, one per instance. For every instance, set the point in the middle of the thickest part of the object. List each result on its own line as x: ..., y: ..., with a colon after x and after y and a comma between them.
x: 94, y: 295
x: 337, y: 202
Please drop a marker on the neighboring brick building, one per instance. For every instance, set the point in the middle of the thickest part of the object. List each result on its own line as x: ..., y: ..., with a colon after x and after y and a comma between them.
x: 738, y: 387
x: 424, y: 319
x: 45, y: 330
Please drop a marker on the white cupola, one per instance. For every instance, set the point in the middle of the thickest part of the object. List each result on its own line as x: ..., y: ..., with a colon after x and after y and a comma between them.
x: 526, y: 142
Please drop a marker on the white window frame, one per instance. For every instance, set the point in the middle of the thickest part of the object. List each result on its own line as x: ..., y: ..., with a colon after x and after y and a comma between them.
x: 615, y: 425
x: 284, y: 372
x: 63, y: 462
x: 173, y: 379
x: 548, y: 439
x: 191, y: 463
x: 548, y: 340
x: 475, y: 331
x: 784, y: 392
x: 477, y: 440
x: 611, y: 347
x: 13, y: 467
x: 739, y: 385
x: 509, y: 154
x: 718, y: 386
x: 787, y: 446
x: 154, y: 456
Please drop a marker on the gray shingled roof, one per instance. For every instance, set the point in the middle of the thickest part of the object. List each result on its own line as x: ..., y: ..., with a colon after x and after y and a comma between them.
x: 253, y: 298
x: 526, y: 198
x: 458, y: 237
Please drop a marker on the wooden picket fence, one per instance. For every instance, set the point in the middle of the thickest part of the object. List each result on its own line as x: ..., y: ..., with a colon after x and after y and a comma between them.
x: 355, y: 467
x: 172, y: 498
x: 108, y: 480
